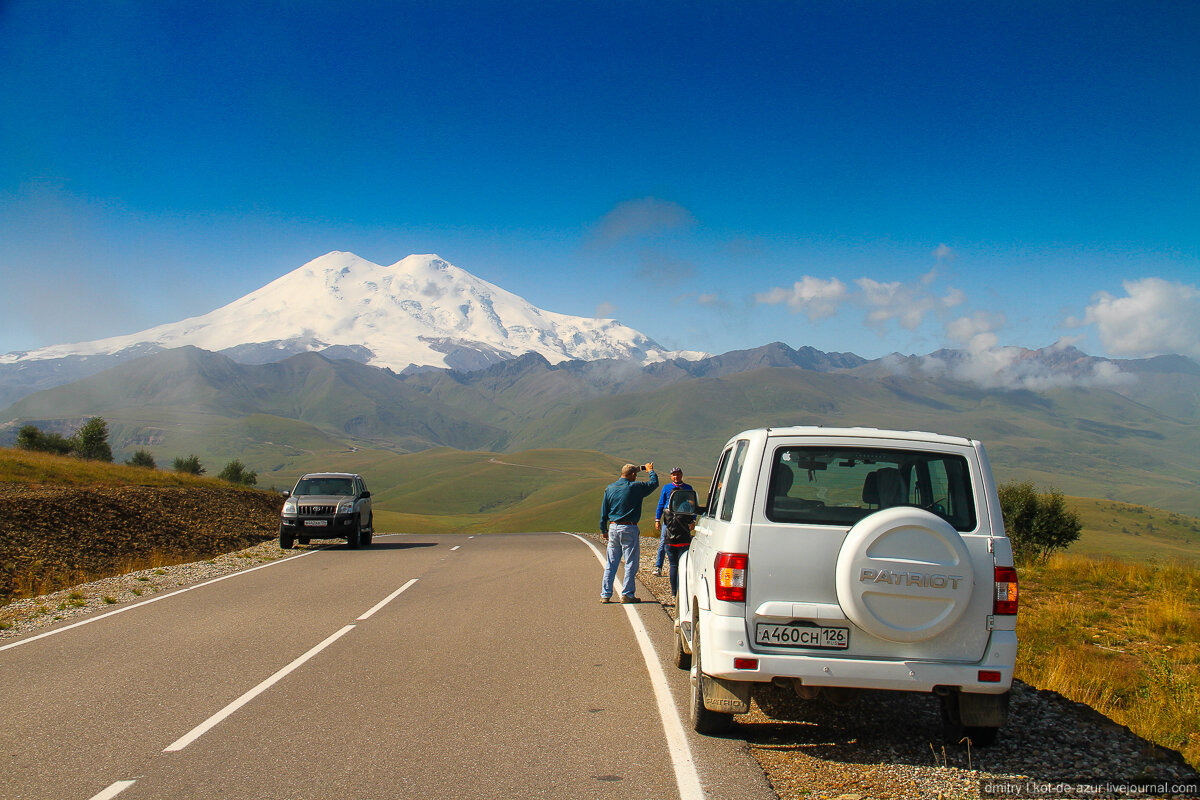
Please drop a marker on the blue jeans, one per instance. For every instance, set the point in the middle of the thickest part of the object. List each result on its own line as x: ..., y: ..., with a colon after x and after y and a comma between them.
x: 662, y: 548
x: 623, y: 541
x: 673, y: 556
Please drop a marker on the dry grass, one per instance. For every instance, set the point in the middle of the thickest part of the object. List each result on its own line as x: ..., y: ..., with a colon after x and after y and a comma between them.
x: 23, y: 466
x: 1122, y: 637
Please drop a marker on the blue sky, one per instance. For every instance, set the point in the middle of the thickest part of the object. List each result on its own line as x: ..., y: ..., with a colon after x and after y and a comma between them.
x: 855, y: 176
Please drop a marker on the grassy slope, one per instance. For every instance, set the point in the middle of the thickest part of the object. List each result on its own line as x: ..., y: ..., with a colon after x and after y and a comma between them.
x: 1121, y: 637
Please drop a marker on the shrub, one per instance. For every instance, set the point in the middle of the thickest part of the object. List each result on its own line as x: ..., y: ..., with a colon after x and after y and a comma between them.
x: 91, y: 441
x: 1037, y: 523
x: 142, y: 458
x: 190, y: 465
x: 30, y: 437
x: 235, y: 472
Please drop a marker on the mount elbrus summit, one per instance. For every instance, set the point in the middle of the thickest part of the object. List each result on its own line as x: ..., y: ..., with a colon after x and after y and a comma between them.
x: 419, y: 312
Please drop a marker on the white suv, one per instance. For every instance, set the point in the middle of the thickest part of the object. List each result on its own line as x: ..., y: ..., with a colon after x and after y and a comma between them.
x: 830, y: 560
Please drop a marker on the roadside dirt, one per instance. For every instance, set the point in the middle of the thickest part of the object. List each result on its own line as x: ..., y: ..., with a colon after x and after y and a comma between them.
x: 52, y: 537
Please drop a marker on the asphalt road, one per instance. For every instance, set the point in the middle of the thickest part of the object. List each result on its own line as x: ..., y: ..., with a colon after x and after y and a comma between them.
x: 422, y: 667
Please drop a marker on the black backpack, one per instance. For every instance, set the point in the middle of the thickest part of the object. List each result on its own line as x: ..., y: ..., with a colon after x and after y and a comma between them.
x: 678, y: 516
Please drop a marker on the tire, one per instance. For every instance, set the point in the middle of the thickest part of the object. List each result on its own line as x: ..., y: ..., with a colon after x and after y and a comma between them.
x: 285, y: 539
x: 683, y: 659
x: 354, y: 538
x: 366, y: 535
x: 303, y: 539
x: 981, y: 737
x: 703, y: 720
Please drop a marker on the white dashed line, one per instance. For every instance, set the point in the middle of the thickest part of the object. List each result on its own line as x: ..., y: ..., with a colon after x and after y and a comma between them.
x: 387, y: 600
x: 216, y: 719
x: 114, y: 790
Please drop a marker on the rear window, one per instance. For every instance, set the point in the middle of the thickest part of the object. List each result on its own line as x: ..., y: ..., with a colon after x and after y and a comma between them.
x: 841, y: 485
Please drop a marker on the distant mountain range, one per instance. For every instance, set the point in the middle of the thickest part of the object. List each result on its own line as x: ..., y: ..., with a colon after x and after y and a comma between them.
x: 1135, y: 441
x: 343, y: 356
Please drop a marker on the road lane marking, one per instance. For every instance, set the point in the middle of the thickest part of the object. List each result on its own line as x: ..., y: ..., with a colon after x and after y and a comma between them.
x: 452, y: 549
x: 150, y: 600
x: 216, y: 719
x: 687, y: 779
x: 114, y: 790
x: 387, y: 599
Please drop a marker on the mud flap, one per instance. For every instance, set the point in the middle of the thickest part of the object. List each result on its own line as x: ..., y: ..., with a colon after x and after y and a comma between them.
x: 982, y: 710
x: 727, y: 697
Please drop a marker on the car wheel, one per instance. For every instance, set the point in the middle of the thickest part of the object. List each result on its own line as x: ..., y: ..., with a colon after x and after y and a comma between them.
x: 704, y: 720
x: 369, y: 533
x: 285, y: 540
x: 303, y: 539
x: 355, y: 536
x: 683, y: 659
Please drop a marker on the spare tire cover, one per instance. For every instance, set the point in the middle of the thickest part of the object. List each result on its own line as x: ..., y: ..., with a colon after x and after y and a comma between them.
x: 904, y: 574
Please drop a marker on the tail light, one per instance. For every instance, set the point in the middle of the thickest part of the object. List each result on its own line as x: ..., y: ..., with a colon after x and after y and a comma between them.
x: 731, y: 577
x: 1005, y: 602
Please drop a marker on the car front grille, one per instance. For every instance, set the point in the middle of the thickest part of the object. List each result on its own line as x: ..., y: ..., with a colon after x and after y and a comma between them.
x: 317, y: 509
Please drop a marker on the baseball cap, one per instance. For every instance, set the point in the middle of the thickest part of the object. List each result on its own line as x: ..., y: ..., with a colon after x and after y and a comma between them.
x: 676, y: 470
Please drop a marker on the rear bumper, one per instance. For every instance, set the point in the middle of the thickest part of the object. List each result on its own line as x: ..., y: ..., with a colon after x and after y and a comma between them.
x: 725, y: 638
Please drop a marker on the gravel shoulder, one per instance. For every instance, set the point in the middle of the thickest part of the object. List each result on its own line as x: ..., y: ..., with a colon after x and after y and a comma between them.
x: 886, y: 745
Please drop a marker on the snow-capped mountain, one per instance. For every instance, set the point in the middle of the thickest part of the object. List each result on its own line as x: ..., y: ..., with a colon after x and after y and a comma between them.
x: 418, y: 312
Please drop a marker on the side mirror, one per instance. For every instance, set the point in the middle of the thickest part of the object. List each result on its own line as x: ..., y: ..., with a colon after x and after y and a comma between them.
x: 366, y: 494
x: 286, y: 493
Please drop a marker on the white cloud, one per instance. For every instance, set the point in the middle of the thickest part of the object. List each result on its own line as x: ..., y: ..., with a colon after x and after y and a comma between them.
x: 813, y: 297
x: 943, y: 252
x: 605, y: 310
x: 1154, y: 318
x: 908, y: 305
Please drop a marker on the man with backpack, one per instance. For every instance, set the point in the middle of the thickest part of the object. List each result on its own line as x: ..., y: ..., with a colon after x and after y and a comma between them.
x: 678, y: 522
x: 676, y: 483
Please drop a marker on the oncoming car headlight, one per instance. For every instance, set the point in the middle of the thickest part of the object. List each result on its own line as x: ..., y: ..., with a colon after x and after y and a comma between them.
x: 346, y: 507
x: 289, y: 507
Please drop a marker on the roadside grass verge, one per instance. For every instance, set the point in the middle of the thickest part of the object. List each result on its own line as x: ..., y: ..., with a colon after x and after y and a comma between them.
x: 1121, y: 637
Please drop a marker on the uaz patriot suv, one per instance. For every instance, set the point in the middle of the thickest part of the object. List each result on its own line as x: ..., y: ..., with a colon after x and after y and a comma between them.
x: 833, y: 560
x: 327, y: 505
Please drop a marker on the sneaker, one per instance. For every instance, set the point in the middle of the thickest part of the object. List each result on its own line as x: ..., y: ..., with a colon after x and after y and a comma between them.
x: 605, y: 599
x: 658, y: 571
x: 628, y: 598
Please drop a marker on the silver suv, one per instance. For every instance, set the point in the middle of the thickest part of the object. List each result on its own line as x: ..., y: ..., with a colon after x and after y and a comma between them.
x: 327, y: 505
x: 833, y: 560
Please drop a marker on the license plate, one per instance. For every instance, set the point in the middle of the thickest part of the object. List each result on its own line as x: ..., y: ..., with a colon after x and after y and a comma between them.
x: 802, y: 634
x: 315, y: 523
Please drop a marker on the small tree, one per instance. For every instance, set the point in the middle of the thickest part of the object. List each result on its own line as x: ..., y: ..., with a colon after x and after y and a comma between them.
x: 30, y: 437
x: 1037, y: 523
x: 190, y: 465
x: 142, y: 458
x: 235, y: 472
x: 91, y: 441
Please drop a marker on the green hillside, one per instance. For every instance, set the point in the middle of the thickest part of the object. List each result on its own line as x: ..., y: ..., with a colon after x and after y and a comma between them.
x: 308, y: 412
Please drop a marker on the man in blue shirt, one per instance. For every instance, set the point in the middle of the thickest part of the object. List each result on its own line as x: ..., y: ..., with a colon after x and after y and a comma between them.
x: 619, y: 515
x: 676, y: 483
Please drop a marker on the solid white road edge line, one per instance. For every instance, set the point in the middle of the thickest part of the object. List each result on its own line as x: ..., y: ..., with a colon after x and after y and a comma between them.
x: 150, y: 600
x: 216, y: 719
x: 387, y: 600
x: 686, y: 777
x: 114, y: 790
